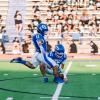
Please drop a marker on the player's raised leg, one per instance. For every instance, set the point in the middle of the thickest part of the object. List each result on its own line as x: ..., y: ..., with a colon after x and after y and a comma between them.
x: 22, y: 61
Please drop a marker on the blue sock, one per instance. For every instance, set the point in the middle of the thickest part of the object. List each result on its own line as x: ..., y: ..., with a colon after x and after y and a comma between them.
x: 45, y: 79
x: 23, y: 62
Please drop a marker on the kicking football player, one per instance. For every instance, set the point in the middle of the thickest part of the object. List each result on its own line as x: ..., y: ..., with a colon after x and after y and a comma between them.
x: 41, y: 56
x: 60, y: 58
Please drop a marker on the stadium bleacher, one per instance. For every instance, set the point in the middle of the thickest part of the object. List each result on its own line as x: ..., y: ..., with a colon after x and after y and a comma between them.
x: 63, y: 18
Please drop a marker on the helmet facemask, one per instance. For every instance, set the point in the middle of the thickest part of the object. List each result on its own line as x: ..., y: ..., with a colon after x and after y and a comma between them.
x: 59, y: 54
x: 59, y: 50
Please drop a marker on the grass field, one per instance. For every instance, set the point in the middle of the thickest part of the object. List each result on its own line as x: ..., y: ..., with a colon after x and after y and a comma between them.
x: 22, y: 83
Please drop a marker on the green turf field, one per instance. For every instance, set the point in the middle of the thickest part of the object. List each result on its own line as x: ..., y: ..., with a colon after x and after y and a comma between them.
x: 22, y: 83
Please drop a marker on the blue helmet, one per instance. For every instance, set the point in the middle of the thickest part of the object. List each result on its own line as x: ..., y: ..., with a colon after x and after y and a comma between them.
x: 42, y: 28
x: 59, y: 50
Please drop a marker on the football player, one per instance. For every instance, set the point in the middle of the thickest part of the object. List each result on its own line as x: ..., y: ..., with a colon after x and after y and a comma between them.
x: 41, y: 57
x: 60, y: 58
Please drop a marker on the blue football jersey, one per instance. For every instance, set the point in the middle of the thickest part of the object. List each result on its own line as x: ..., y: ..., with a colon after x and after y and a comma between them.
x: 39, y: 38
x: 59, y: 61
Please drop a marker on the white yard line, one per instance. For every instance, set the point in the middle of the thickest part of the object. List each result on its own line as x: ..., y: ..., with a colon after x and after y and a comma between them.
x: 59, y: 86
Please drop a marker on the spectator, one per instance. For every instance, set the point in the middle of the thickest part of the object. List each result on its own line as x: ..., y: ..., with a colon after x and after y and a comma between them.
x: 3, y: 29
x: 73, y: 47
x: 81, y: 28
x: 85, y: 17
x: 30, y: 28
x: 35, y: 9
x: 98, y: 3
x: 25, y: 47
x: 1, y: 20
x: 76, y: 35
x: 64, y: 18
x: 2, y: 48
x: 16, y: 46
x: 4, y: 39
x: 18, y: 22
x: 28, y: 36
x: 48, y: 47
x: 93, y: 20
x: 59, y: 28
x: 94, y: 47
x: 58, y: 42
x: 92, y: 30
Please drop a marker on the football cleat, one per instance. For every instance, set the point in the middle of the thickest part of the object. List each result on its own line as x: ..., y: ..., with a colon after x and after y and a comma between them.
x: 58, y: 80
x: 45, y: 80
x: 16, y: 60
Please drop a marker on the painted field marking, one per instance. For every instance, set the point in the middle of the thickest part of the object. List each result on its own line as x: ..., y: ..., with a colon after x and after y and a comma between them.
x: 60, y: 85
x: 91, y: 65
x: 35, y: 74
x: 51, y: 97
x: 5, y: 74
x: 9, y: 98
x: 98, y: 98
x: 71, y: 74
x: 93, y: 74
